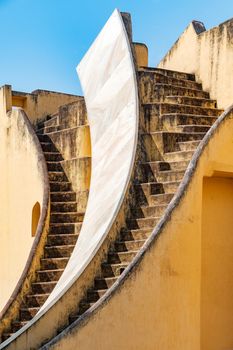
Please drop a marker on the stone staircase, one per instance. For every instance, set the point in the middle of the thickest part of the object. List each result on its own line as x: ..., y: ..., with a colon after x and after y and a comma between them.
x: 64, y: 227
x: 176, y: 115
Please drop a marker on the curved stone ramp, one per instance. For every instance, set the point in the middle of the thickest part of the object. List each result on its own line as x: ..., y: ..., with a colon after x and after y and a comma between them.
x: 157, y: 300
x: 21, y: 131
x: 113, y: 113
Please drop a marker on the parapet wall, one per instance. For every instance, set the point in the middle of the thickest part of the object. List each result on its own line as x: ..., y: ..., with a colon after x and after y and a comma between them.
x: 22, y: 193
x: 207, y: 54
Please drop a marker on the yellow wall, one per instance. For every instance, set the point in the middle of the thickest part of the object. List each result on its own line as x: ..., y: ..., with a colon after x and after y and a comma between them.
x: 217, y: 264
x: 179, y: 296
x: 21, y: 187
x: 210, y: 56
x: 41, y: 103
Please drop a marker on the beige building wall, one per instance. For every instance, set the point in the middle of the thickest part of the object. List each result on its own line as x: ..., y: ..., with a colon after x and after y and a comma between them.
x: 41, y: 103
x: 21, y: 190
x: 209, y: 55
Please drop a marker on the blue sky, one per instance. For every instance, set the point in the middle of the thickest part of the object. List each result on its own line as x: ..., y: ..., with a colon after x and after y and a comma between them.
x: 42, y: 41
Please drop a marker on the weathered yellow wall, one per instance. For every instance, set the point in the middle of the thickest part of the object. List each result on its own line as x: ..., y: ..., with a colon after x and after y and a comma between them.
x: 41, y: 103
x: 184, y: 279
x: 217, y: 264
x: 21, y: 186
x: 141, y: 52
x: 210, y: 56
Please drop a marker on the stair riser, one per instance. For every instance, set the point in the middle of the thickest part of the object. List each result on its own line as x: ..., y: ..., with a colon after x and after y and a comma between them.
x: 63, y: 207
x: 150, y: 93
x: 65, y: 229
x: 113, y: 270
x: 60, y: 186
x: 65, y: 217
x: 143, y: 223
x: 43, y: 288
x: 127, y: 246
x: 47, y: 276
x: 156, y: 78
x: 56, y: 240
x: 206, y: 103
x: 178, y: 156
x: 163, y: 199
x: 146, y: 212
x: 124, y: 257
x: 51, y: 264
x: 36, y: 300
x: 93, y: 296
x: 135, y: 235
x: 58, y: 252
x: 26, y: 315
x: 188, y: 146
x: 63, y: 197
x: 104, y: 283
x: 57, y: 176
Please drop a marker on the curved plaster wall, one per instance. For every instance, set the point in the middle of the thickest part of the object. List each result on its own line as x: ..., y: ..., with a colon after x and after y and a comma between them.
x: 22, y: 185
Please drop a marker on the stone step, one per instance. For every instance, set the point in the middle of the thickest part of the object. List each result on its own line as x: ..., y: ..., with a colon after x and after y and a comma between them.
x: 158, y: 166
x: 83, y: 307
x: 64, y: 228
x: 94, y: 295
x: 53, y: 263
x: 49, y: 129
x: 43, y: 138
x: 178, y: 156
x: 60, y: 239
x: 193, y: 101
x: 54, y: 166
x: 60, y: 186
x: 58, y: 251
x: 48, y: 147
x: 139, y: 234
x: 121, y: 257
x: 157, y: 93
x: 49, y: 275
x: 148, y: 211
x: 62, y: 197
x: 168, y: 73
x: 36, y: 300
x: 6, y: 336
x: 57, y: 176
x: 170, y: 175
x: 147, y: 189
x: 54, y: 121
x: 63, y: 207
x: 143, y: 222
x: 104, y: 283
x: 156, y: 77
x: 16, y: 325
x: 189, y: 145
x: 154, y: 110
x: 171, y: 121
x: 111, y: 270
x: 71, y: 217
x: 160, y: 199
x: 194, y: 128
x: 53, y: 156
x: 159, y: 142
x: 132, y: 245
x: 43, y: 287
x: 28, y: 313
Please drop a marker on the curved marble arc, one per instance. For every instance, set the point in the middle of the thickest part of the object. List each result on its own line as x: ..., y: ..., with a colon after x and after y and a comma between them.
x: 108, y: 78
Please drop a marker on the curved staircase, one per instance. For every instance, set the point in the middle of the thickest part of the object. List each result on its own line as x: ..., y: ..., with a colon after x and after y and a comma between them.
x: 64, y: 228
x: 177, y: 113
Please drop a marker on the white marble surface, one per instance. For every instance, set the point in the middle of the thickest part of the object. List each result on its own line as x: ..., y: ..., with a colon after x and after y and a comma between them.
x: 108, y: 80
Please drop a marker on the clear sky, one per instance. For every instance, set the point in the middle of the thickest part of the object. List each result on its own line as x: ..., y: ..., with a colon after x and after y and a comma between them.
x: 42, y: 41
